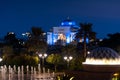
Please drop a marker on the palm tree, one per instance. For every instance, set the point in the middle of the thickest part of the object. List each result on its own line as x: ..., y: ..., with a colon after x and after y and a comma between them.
x: 84, y: 32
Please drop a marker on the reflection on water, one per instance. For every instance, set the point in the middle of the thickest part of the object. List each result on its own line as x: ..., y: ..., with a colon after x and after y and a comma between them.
x: 26, y: 77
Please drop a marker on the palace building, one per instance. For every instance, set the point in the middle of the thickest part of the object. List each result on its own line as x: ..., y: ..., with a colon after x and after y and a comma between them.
x: 63, y: 34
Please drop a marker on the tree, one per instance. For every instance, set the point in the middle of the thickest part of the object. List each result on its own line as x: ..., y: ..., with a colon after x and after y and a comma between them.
x: 7, y: 53
x: 55, y: 59
x: 113, y: 41
x: 10, y: 39
x: 69, y: 50
x: 37, y: 42
x: 85, y: 32
x: 37, y: 31
x: 54, y: 49
x: 20, y: 60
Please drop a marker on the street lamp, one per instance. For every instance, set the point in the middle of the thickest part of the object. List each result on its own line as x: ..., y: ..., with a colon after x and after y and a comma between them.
x: 43, y: 56
x: 68, y: 59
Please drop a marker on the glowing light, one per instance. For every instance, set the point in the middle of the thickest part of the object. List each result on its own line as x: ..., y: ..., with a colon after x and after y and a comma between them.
x: 116, y: 74
x: 68, y: 23
x: 88, y: 52
x: 68, y: 58
x: 62, y: 37
x: 104, y: 61
x: 65, y: 57
x: 0, y: 59
x: 43, y: 55
x: 11, y: 33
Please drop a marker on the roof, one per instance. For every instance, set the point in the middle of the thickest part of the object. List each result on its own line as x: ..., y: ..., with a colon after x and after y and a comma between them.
x: 68, y: 22
x: 103, y: 52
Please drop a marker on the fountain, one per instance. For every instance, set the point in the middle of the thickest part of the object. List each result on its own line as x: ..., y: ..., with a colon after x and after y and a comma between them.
x: 101, y: 64
x: 22, y: 73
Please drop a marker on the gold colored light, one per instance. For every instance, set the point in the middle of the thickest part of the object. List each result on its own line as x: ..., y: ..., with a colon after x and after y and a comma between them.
x: 102, y: 61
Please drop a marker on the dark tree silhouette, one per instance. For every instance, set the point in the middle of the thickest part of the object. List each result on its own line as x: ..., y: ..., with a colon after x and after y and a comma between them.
x: 37, y: 42
x: 10, y: 38
x: 84, y: 32
x: 113, y: 41
x: 37, y: 31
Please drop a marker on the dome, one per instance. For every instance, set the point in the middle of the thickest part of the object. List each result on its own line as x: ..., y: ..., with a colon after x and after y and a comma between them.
x: 103, y: 53
x: 68, y: 22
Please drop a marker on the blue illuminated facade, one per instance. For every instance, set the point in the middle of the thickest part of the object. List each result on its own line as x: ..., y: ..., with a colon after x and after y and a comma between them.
x: 63, y: 34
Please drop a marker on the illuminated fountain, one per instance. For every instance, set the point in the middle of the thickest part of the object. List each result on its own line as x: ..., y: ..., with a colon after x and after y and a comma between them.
x: 22, y: 73
x: 101, y: 64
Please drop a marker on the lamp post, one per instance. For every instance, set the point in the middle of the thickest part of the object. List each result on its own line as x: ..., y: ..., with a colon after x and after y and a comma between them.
x: 68, y: 59
x: 43, y: 56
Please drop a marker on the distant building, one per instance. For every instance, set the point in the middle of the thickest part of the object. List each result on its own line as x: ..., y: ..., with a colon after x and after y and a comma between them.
x: 63, y: 34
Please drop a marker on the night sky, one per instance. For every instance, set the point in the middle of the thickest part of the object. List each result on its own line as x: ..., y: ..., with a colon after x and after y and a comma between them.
x: 20, y: 15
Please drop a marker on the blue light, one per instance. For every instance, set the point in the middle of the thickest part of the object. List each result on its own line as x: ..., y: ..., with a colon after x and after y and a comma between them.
x: 72, y: 23
x: 87, y: 40
x: 62, y: 23
x: 68, y: 38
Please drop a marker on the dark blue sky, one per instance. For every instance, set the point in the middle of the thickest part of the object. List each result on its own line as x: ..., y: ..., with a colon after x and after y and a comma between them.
x: 20, y: 15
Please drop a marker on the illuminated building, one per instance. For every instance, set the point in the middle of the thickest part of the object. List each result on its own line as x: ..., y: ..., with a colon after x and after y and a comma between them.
x: 63, y: 34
